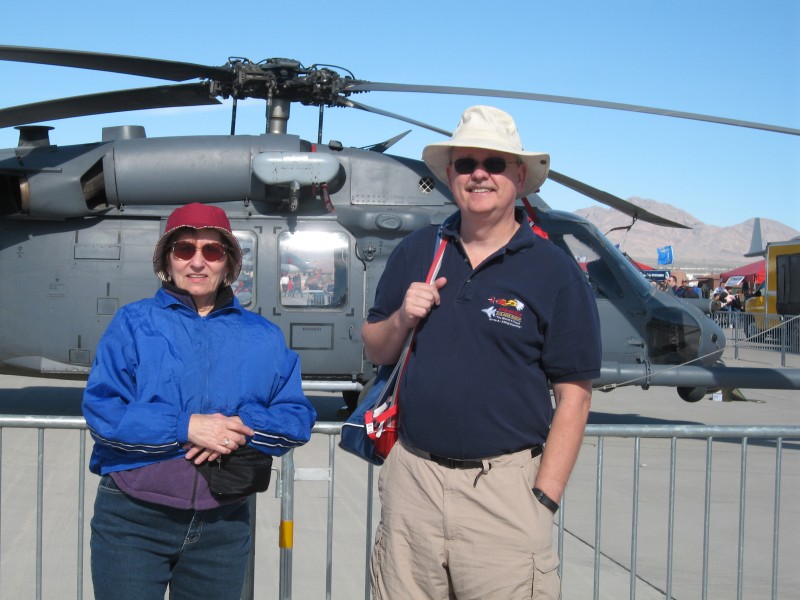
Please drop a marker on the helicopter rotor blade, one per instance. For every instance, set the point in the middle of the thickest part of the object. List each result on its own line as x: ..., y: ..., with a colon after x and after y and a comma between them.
x: 181, y: 71
x: 391, y: 115
x: 614, y: 202
x: 619, y: 204
x: 166, y: 96
x: 114, y: 63
x: 465, y: 91
x: 221, y: 82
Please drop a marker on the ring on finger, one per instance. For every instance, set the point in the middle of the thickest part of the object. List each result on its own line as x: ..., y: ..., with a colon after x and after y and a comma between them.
x: 226, y: 442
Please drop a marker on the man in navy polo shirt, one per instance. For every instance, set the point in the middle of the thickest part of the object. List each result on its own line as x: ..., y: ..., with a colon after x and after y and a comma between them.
x: 469, y: 492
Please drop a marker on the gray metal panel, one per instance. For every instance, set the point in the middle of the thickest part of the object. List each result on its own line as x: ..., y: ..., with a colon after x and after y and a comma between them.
x: 311, y: 336
x: 97, y: 252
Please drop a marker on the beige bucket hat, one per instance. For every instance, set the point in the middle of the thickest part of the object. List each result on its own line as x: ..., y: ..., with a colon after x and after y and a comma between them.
x: 488, y: 128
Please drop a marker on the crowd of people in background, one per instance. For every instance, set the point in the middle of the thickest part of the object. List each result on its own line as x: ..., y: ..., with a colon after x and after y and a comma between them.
x: 684, y: 290
x: 726, y: 299
x: 314, y: 281
x: 723, y: 297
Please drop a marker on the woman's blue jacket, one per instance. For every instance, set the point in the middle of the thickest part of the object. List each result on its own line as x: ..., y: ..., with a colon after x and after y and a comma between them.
x: 159, y: 362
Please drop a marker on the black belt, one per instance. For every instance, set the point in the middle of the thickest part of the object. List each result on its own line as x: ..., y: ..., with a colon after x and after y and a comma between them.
x: 454, y: 463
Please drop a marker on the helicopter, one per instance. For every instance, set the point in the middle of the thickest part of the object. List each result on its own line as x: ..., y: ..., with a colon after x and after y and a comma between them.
x: 316, y: 222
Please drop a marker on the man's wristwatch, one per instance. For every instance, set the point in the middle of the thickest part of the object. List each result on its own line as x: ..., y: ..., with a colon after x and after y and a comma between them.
x: 544, y: 499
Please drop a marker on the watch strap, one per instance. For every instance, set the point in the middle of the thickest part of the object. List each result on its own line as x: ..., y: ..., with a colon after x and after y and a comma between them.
x: 546, y: 500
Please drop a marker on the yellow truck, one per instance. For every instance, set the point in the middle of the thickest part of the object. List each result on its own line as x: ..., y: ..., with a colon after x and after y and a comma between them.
x: 778, y: 298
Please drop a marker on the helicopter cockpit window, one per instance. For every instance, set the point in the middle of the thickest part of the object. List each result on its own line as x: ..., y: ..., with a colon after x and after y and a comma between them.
x: 313, y: 269
x: 244, y: 286
x: 594, y: 266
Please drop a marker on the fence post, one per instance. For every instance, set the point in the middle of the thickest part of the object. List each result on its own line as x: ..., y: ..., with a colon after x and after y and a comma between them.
x: 286, y: 533
x: 248, y: 590
x: 784, y: 341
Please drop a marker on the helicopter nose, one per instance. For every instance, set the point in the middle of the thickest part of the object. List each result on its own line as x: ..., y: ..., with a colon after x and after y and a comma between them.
x: 678, y: 336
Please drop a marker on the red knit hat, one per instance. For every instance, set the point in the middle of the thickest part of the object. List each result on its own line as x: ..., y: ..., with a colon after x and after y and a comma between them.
x: 199, y: 216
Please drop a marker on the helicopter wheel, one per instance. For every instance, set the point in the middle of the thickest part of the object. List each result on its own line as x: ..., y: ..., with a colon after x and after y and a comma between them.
x: 692, y: 394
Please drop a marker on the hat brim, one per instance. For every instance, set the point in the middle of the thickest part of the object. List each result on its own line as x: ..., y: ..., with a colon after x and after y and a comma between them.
x: 437, y: 157
x: 234, y: 253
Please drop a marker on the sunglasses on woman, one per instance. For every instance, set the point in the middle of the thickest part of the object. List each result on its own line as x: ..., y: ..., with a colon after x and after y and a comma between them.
x: 212, y: 252
x: 493, y: 165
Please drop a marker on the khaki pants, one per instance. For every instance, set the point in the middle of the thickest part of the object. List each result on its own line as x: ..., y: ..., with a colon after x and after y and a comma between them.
x: 462, y: 533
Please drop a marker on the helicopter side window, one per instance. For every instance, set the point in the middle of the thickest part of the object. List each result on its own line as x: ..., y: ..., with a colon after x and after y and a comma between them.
x: 597, y: 272
x: 313, y: 269
x: 602, y: 279
x: 244, y: 286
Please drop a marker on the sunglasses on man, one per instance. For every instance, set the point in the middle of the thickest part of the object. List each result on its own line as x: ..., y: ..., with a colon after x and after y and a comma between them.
x: 212, y: 252
x: 493, y: 165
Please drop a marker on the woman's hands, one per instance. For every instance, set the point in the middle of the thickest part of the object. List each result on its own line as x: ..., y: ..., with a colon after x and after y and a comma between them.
x: 211, y: 436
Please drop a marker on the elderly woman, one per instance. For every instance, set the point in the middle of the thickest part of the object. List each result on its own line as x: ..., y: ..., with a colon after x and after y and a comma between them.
x: 181, y: 380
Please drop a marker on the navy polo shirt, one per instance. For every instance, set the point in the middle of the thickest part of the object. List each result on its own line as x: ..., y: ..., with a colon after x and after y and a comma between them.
x: 477, y: 381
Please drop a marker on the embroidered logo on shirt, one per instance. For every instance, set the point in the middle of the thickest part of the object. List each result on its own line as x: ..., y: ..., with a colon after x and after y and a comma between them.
x: 507, y: 312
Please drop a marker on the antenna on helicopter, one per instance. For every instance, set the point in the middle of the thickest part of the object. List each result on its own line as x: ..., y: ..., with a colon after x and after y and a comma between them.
x: 384, y: 146
x: 626, y: 228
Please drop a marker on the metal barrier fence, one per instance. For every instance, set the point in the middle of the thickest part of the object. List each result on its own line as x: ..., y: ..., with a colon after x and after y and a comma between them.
x: 637, y: 519
x: 760, y: 332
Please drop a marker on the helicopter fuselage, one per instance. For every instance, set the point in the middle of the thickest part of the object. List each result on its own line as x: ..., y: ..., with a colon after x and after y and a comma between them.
x: 316, y: 223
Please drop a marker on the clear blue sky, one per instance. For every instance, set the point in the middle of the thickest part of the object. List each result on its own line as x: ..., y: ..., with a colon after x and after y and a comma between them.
x: 729, y: 58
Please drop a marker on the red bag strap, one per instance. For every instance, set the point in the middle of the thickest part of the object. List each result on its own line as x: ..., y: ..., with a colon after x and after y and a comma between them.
x: 432, y: 272
x: 533, y: 219
x: 437, y: 260
x: 373, y: 421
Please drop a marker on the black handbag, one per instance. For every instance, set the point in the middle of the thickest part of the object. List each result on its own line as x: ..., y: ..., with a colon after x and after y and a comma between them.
x: 242, y: 472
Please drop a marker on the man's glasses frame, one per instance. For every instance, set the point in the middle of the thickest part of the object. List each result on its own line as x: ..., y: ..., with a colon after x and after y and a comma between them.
x: 212, y: 252
x: 493, y: 165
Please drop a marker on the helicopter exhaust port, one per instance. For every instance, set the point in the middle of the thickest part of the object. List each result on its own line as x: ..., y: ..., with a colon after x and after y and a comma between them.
x: 53, y: 182
x: 14, y: 188
x: 11, y: 192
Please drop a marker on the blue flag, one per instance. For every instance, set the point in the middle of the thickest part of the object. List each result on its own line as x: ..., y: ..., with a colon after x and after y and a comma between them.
x: 665, y: 255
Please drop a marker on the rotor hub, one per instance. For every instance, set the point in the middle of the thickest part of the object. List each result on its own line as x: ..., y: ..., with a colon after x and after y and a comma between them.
x: 285, y: 79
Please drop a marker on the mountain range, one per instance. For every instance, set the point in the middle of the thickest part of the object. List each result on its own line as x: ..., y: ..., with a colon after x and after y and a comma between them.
x: 703, y: 248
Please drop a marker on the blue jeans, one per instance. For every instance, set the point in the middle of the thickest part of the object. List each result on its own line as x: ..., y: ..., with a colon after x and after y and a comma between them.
x: 139, y: 548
